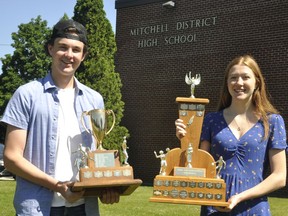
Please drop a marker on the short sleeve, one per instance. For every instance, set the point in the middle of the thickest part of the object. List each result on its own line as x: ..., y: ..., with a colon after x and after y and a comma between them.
x: 277, y: 136
x: 17, y: 110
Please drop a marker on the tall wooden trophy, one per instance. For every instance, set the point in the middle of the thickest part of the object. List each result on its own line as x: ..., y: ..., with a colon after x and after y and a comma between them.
x: 101, y: 169
x: 189, y: 175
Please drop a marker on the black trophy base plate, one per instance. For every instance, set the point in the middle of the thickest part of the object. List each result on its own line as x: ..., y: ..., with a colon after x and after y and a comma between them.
x: 124, y: 187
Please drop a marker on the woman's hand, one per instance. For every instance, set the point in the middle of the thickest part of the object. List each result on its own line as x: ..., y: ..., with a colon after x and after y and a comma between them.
x: 232, y: 202
x: 180, y: 128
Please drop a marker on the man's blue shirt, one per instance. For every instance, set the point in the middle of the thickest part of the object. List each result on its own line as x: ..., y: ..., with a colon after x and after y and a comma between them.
x: 34, y: 107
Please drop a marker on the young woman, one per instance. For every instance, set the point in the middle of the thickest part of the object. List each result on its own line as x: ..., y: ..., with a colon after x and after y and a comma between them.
x: 249, y: 134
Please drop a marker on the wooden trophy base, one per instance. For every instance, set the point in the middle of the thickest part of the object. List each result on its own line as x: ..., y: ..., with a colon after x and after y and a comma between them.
x: 96, y: 178
x: 124, y: 187
x: 189, y: 190
x: 190, y: 174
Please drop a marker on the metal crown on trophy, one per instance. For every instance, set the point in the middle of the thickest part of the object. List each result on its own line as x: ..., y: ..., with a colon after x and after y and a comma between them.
x: 102, y: 168
x: 190, y: 173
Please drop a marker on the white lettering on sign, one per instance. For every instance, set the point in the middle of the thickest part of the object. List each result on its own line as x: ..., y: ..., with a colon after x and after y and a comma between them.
x: 155, y: 29
x: 158, y: 29
x: 196, y: 23
x: 180, y: 39
x: 148, y: 43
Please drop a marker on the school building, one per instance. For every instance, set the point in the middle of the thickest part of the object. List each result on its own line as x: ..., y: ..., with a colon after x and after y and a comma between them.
x: 159, y: 42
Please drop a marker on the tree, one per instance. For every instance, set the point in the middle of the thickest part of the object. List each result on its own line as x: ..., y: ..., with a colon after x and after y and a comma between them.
x: 28, y: 61
x: 98, y: 70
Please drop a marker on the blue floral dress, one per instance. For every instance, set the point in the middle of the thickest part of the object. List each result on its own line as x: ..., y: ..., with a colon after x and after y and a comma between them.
x: 246, y: 159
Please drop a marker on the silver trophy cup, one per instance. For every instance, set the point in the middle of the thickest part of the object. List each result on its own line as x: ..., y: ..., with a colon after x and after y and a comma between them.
x: 98, y: 120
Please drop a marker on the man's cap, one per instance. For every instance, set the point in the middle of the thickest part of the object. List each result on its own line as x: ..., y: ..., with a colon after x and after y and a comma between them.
x: 70, y: 29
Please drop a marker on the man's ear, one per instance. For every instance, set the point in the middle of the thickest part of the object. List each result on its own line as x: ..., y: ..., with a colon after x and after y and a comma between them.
x: 84, y: 56
x: 49, y: 49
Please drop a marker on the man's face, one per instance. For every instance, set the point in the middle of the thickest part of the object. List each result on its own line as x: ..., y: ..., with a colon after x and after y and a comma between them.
x: 67, y: 55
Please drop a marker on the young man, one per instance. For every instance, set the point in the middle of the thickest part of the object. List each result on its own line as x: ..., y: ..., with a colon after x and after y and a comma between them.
x: 44, y: 131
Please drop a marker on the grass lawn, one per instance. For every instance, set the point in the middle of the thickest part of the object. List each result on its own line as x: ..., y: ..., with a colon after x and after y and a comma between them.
x: 7, y: 189
x: 137, y: 204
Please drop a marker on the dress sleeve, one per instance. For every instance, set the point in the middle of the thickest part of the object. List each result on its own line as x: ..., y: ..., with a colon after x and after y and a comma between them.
x: 277, y: 136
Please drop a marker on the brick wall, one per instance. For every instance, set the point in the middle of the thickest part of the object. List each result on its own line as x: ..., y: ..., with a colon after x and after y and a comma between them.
x: 153, y: 62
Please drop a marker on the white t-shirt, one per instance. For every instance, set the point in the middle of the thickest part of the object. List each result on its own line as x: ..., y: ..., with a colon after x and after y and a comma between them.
x: 68, y: 142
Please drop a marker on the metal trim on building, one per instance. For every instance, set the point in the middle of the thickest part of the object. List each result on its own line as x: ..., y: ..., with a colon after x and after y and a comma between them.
x: 129, y: 3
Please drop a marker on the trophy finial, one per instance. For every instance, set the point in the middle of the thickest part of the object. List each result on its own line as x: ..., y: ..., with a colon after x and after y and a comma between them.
x: 193, y: 81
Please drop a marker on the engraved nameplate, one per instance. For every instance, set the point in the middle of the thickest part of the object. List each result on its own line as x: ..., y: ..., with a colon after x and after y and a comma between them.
x: 196, y: 107
x: 185, y: 171
x: 158, y: 182
x: 183, y: 194
x: 127, y: 172
x: 167, y: 183
x: 166, y: 193
x: 104, y: 159
x: 88, y: 174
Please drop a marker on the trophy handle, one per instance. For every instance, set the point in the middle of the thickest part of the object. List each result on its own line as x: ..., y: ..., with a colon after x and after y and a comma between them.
x: 82, y: 121
x: 109, y: 112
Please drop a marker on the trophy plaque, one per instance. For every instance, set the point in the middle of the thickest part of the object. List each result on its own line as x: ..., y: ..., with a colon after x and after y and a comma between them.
x: 101, y: 169
x: 190, y: 175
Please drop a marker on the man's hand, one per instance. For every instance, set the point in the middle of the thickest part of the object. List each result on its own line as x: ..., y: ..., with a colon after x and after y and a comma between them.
x: 64, y: 189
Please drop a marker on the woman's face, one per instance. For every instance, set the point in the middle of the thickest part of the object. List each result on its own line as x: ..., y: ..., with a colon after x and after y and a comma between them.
x: 241, y: 82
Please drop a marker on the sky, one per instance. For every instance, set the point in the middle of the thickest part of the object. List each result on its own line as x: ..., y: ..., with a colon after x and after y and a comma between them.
x: 15, y: 12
